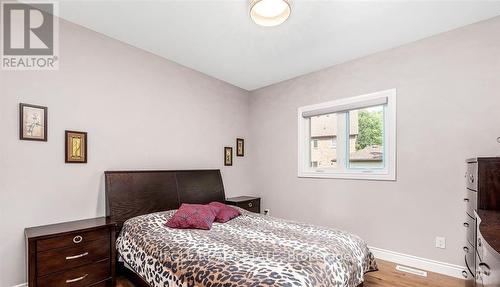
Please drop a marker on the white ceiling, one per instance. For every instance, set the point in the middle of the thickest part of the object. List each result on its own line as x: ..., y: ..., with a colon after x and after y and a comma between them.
x: 219, y: 39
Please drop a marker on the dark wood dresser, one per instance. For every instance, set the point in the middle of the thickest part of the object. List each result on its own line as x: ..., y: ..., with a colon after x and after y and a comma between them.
x: 77, y: 254
x: 482, y: 221
x: 488, y: 248
x: 249, y: 203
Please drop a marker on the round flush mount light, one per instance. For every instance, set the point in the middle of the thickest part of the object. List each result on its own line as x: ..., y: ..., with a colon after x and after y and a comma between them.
x: 270, y: 13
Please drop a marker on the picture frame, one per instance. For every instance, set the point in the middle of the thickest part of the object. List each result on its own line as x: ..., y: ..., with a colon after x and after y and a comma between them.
x: 33, y: 122
x: 76, y: 147
x: 240, y: 147
x: 228, y: 156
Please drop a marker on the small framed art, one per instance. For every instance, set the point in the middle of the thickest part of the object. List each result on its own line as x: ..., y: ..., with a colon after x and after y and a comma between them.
x: 228, y: 156
x: 33, y: 122
x: 76, y: 147
x: 240, y: 147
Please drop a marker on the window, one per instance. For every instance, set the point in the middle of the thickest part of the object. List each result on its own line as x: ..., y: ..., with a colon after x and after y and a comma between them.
x: 349, y: 138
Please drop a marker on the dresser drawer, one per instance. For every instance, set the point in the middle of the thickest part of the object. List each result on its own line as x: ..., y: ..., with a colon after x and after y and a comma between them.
x: 478, y: 276
x: 468, y: 274
x: 470, y: 225
x: 251, y: 205
x: 470, y: 200
x: 65, y: 258
x: 86, y: 275
x: 470, y: 257
x: 72, y: 239
x: 107, y: 283
x: 488, y: 269
x: 479, y: 241
x: 471, y: 176
x: 480, y: 246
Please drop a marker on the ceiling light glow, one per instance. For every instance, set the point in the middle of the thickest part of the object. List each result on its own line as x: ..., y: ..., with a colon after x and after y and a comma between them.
x: 269, y: 13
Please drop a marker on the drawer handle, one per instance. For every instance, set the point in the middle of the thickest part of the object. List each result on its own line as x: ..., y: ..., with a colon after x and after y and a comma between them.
x: 471, y: 178
x: 250, y: 204
x: 466, y: 224
x: 466, y: 249
x: 479, y: 243
x: 77, y: 256
x: 77, y: 279
x: 466, y: 200
x: 485, y: 268
x: 77, y: 239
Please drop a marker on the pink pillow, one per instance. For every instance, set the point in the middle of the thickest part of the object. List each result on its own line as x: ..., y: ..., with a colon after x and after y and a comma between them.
x: 225, y: 212
x: 195, y: 216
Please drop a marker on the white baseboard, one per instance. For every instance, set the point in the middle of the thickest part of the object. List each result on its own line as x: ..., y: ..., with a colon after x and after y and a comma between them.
x: 418, y: 262
x: 21, y: 285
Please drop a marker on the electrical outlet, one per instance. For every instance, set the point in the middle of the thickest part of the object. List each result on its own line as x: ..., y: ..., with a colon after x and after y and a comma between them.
x: 266, y: 211
x: 440, y: 242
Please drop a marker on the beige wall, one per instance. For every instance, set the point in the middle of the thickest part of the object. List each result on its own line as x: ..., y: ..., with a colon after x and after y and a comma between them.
x: 448, y: 104
x: 141, y: 112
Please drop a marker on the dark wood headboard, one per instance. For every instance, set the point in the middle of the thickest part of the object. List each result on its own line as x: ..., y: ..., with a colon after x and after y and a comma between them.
x: 133, y: 193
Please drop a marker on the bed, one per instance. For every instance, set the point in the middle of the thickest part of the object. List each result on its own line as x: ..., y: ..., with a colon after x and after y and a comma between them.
x: 250, y: 250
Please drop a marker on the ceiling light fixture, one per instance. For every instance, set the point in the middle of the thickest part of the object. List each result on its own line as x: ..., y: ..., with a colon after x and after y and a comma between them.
x: 270, y: 13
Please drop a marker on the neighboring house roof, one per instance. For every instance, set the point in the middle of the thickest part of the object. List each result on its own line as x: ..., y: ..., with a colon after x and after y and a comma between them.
x: 369, y: 153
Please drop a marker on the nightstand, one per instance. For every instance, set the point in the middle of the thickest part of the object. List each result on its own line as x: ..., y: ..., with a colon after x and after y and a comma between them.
x: 246, y: 202
x: 78, y: 253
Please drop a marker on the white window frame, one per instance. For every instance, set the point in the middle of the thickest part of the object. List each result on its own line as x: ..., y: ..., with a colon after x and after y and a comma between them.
x: 342, y: 172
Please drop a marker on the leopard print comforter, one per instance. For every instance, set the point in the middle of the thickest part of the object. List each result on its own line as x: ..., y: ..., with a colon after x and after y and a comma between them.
x: 250, y: 250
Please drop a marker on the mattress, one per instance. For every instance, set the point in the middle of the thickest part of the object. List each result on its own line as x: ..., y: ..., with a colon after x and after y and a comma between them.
x: 250, y: 250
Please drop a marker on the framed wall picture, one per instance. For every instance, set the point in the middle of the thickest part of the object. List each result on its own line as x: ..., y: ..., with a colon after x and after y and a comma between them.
x: 76, y: 147
x: 240, y: 147
x: 33, y: 122
x: 228, y: 156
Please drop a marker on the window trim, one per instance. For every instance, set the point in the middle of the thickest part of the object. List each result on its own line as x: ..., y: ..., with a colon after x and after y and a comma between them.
x: 388, y: 173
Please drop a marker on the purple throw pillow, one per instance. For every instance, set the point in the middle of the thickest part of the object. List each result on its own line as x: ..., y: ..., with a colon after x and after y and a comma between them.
x: 225, y: 212
x: 196, y: 216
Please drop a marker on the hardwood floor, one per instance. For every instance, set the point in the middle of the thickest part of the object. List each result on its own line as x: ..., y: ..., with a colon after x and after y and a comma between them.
x: 387, y: 276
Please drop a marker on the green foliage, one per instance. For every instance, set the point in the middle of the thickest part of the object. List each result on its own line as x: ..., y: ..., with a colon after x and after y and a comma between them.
x: 369, y: 128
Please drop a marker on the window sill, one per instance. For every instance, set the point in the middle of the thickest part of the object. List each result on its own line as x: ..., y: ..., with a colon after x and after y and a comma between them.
x: 379, y: 176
